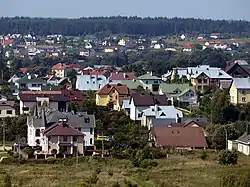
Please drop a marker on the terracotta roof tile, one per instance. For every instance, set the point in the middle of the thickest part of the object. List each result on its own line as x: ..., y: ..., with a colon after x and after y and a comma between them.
x: 149, y: 99
x: 60, y: 66
x: 121, y: 89
x: 122, y: 76
x: 61, y: 129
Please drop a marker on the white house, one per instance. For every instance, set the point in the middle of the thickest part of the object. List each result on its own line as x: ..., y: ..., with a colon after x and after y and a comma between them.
x: 30, y: 82
x: 41, y: 123
x: 142, y: 101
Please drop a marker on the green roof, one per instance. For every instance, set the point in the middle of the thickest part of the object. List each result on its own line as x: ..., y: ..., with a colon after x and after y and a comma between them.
x: 131, y: 84
x: 175, y: 89
x: 32, y: 79
x: 148, y: 76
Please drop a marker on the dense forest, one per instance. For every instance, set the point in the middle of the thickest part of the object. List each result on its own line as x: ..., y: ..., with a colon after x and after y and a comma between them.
x: 121, y: 25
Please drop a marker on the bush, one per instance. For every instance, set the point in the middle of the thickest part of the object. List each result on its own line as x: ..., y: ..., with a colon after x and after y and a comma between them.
x: 54, y: 151
x: 148, y: 163
x: 203, y: 155
x: 116, y: 184
x: 29, y: 151
x: 110, y: 173
x: 227, y: 157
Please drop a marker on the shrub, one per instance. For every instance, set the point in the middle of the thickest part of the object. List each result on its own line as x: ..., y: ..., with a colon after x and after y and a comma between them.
x: 116, y: 184
x: 54, y: 151
x: 29, y: 151
x: 110, y: 173
x: 148, y: 163
x: 93, y: 179
x: 227, y: 157
x: 203, y: 155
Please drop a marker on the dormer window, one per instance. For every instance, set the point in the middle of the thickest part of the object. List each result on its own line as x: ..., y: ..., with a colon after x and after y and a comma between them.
x: 87, y: 120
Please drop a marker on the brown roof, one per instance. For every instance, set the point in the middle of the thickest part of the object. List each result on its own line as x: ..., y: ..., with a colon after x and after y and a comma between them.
x: 52, y: 97
x: 122, y: 76
x: 60, y: 66
x: 7, y: 103
x: 61, y: 129
x: 179, y: 137
x: 231, y: 65
x: 121, y: 89
x: 149, y: 99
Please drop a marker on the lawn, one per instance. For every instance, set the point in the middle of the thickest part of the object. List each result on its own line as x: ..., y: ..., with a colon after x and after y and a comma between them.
x: 175, y: 171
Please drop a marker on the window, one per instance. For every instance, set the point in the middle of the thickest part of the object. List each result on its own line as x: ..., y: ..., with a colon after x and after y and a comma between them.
x: 139, y: 115
x: 39, y: 103
x: 113, y: 91
x: 33, y: 85
x: 191, y: 94
x: 199, y: 87
x: 91, y: 130
x: 90, y: 141
x: 0, y: 111
x: 74, y: 138
x: 87, y: 120
x: 65, y: 138
x: 25, y: 108
x: 205, y: 81
x: 116, y: 97
x: 156, y: 82
x: 199, y: 81
x: 79, y: 129
x: 37, y: 133
x: 146, y: 82
x: 9, y: 111
x: 87, y: 82
x: 243, y: 92
x: 243, y: 99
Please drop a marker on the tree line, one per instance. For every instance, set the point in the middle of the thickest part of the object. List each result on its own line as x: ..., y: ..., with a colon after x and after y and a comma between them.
x: 121, y: 25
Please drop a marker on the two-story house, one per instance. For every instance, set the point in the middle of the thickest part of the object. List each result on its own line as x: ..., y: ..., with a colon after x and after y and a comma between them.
x: 150, y: 82
x: 52, y: 99
x: 237, y: 70
x: 44, y: 130
x: 30, y: 82
x: 183, y: 93
x: 112, y: 94
x: 240, y: 91
x: 92, y: 82
x: 142, y: 101
x: 61, y: 70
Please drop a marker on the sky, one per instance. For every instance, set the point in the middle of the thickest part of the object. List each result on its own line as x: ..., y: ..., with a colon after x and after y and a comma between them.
x: 214, y: 9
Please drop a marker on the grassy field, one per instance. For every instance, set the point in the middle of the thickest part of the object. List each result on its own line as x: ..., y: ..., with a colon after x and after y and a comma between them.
x: 176, y: 171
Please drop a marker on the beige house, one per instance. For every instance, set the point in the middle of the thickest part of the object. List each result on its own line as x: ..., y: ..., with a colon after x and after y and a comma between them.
x: 61, y: 70
x: 7, y: 109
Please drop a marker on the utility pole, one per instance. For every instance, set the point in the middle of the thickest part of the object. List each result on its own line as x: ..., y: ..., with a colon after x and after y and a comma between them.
x: 3, y: 135
x: 77, y: 152
x: 102, y: 145
x: 19, y: 156
x: 226, y: 136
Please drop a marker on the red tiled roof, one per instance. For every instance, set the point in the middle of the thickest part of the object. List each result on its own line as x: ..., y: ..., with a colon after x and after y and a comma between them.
x: 188, y: 46
x: 93, y: 72
x: 149, y: 99
x: 122, y: 76
x: 74, y: 95
x: 179, y: 137
x: 8, y: 42
x: 7, y: 103
x: 24, y: 70
x: 60, y: 66
x: 61, y: 129
x: 121, y: 89
x: 74, y: 66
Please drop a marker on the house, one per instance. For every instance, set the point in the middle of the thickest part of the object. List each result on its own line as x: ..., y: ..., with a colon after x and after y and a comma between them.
x: 92, y: 82
x: 150, y: 82
x: 41, y: 123
x: 61, y: 70
x: 215, y: 35
x: 7, y: 109
x: 30, y: 82
x: 3, y: 97
x: 203, y: 77
x: 111, y: 94
x: 188, y: 48
x: 90, y: 71
x: 52, y: 99
x: 159, y: 112
x: 236, y: 70
x: 122, y: 76
x: 178, y: 137
x: 242, y: 144
x: 183, y: 93
x: 240, y: 91
x: 141, y: 101
x: 121, y: 42
x: 131, y: 84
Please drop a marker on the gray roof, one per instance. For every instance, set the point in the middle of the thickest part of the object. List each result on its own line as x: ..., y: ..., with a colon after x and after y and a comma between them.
x: 75, y: 120
x: 241, y: 83
x: 163, y: 121
x: 32, y: 79
x: 245, y: 138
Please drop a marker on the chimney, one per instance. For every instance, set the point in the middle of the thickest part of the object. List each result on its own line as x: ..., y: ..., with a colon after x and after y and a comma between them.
x: 151, y: 73
x: 178, y: 119
x: 124, y: 75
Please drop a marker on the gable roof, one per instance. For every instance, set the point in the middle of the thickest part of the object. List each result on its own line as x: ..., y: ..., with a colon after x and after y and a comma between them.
x: 30, y: 79
x: 122, y: 76
x: 32, y: 97
x: 179, y: 137
x: 60, y: 66
x: 132, y: 84
x: 121, y: 89
x: 61, y: 129
x: 149, y: 99
x: 245, y: 138
x: 241, y: 83
x: 171, y: 88
x: 163, y: 112
x: 148, y: 76
x: 234, y: 64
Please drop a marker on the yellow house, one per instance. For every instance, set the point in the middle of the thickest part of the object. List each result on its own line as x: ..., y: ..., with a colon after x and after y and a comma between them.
x: 61, y: 70
x: 240, y: 91
x: 111, y: 94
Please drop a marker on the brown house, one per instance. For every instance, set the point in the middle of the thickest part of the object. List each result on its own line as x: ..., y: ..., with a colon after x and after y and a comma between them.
x: 235, y: 70
x: 178, y: 137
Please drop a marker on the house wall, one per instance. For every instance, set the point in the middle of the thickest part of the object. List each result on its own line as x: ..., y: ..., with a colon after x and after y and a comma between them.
x: 201, y: 83
x: 243, y: 96
x: 233, y: 94
x: 32, y: 138
x: 88, y: 136
x: 244, y: 148
x: 232, y: 145
x: 4, y: 114
x: 134, y: 111
x: 102, y: 100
